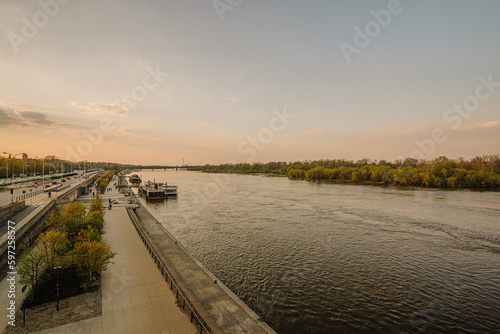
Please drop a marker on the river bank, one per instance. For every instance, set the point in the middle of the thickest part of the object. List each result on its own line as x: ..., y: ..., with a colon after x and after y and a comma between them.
x: 480, y: 172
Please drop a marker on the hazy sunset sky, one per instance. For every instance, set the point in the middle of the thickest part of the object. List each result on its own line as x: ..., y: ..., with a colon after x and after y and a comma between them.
x: 226, y: 76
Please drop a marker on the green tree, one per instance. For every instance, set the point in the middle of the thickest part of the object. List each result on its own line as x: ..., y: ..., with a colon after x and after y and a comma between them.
x: 94, y: 220
x: 96, y: 204
x: 52, y: 244
x: 30, y: 267
x: 91, y: 257
x: 70, y: 220
x: 90, y: 234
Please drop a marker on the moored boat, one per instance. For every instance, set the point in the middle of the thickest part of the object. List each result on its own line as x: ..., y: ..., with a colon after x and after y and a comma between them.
x: 170, y: 190
x: 152, y: 191
x: 135, y: 180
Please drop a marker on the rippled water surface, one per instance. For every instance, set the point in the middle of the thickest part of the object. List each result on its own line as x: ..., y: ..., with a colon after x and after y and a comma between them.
x: 324, y: 258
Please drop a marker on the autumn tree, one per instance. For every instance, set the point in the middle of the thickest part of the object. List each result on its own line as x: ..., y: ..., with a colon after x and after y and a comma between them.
x: 70, y: 221
x: 30, y: 267
x: 90, y: 234
x: 94, y: 220
x: 91, y: 257
x: 52, y: 244
x: 96, y: 204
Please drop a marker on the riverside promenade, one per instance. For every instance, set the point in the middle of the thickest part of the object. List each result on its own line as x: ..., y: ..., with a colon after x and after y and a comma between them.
x: 135, y: 298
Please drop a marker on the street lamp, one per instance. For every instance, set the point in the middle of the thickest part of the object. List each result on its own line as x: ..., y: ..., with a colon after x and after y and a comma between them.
x: 57, y: 284
x: 43, y: 168
x: 12, y: 184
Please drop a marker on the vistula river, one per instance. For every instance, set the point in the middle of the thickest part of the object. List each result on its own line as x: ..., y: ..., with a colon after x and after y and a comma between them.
x: 327, y: 258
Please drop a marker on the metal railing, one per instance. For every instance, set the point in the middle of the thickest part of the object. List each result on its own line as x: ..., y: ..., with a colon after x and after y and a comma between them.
x: 164, y: 271
x: 28, y: 195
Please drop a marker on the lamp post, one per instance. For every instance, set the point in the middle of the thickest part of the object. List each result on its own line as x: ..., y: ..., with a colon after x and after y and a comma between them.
x: 13, y: 157
x: 57, y: 284
x: 43, y: 173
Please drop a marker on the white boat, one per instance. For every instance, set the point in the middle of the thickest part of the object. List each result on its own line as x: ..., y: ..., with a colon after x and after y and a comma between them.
x: 170, y: 190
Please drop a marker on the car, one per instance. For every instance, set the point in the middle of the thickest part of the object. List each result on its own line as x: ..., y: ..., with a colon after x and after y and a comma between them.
x: 2, y: 183
x: 63, y: 180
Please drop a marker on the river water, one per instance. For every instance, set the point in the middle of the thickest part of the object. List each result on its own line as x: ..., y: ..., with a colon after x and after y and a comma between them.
x: 326, y: 258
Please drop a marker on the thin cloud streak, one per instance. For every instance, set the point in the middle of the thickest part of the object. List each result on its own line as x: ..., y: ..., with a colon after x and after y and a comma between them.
x: 233, y: 100
x: 311, y: 133
x: 93, y: 108
x: 484, y: 125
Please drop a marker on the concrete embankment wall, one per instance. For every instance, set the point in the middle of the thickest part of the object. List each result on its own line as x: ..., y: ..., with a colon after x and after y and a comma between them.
x: 219, y: 309
x: 9, y: 210
x: 27, y: 231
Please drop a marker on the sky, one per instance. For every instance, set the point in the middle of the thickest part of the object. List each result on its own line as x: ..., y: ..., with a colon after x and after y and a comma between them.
x: 156, y: 82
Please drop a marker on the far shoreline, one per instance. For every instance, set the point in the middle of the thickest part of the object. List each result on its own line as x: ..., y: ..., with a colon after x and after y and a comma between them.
x: 376, y: 184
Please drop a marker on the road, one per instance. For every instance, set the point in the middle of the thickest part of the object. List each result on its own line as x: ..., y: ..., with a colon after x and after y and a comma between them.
x: 31, y: 203
x: 20, y: 215
x: 6, y: 197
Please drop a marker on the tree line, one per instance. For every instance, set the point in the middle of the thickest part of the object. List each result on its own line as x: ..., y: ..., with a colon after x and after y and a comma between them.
x: 49, y: 163
x: 103, y: 181
x: 442, y: 172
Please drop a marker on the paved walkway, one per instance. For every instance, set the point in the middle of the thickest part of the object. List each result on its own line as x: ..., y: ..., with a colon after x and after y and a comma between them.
x: 135, y: 297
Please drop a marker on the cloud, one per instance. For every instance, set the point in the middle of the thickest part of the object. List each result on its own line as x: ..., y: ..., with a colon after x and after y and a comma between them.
x: 125, y: 129
x: 414, y: 129
x: 313, y: 132
x: 22, y: 118
x: 35, y: 118
x: 233, y: 100
x: 7, y: 121
x: 484, y: 125
x: 6, y: 104
x: 205, y: 123
x: 118, y: 109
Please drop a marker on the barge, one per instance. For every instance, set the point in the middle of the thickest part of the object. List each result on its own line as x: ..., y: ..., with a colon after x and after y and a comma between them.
x: 135, y: 180
x: 157, y: 191
x: 152, y: 191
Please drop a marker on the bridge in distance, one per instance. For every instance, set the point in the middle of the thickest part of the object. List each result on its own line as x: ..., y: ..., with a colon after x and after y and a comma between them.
x: 186, y: 167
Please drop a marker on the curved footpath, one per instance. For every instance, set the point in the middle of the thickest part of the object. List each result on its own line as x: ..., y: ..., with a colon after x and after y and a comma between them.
x: 222, y: 310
